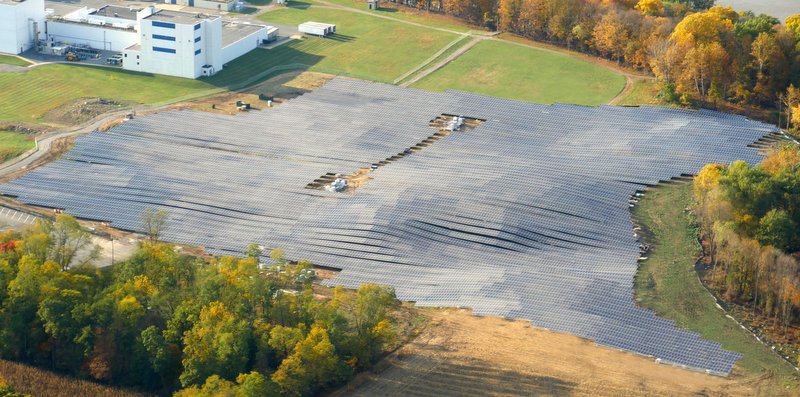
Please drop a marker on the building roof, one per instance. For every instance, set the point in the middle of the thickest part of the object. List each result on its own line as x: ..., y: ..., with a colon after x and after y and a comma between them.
x: 112, y: 11
x: 235, y: 31
x: 179, y: 17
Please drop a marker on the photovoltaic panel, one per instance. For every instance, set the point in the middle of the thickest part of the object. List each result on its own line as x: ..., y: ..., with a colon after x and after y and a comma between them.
x: 525, y: 216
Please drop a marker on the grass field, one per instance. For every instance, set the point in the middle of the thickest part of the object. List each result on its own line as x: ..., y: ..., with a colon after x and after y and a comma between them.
x: 12, y: 60
x: 644, y: 92
x: 12, y: 144
x: 513, y: 71
x: 668, y: 284
x: 25, y: 97
x: 364, y: 46
x: 388, y: 9
x: 441, y: 57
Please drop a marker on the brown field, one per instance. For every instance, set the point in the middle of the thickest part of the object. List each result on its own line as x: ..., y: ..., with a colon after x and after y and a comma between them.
x: 282, y: 87
x: 40, y: 383
x: 459, y: 354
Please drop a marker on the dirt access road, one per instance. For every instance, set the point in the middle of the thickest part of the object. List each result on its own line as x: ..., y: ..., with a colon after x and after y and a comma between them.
x: 459, y: 354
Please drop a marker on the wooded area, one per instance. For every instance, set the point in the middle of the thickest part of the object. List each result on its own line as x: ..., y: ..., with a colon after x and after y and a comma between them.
x: 749, y: 217
x: 163, y: 320
x: 698, y: 53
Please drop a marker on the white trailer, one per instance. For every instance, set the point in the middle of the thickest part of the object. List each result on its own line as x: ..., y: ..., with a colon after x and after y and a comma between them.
x: 317, y: 28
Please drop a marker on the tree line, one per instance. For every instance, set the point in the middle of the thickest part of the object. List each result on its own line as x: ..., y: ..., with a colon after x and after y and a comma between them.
x: 698, y: 52
x: 749, y: 217
x: 162, y: 320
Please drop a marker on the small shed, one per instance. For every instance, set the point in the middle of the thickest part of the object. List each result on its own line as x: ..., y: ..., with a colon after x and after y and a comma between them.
x: 317, y: 28
x: 373, y: 4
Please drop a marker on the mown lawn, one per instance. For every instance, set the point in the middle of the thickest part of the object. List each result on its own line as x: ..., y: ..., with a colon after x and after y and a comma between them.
x: 397, y: 11
x: 364, y: 47
x: 12, y: 144
x: 668, y: 284
x: 460, y: 43
x: 644, y: 92
x: 12, y: 60
x: 512, y: 71
x: 25, y: 97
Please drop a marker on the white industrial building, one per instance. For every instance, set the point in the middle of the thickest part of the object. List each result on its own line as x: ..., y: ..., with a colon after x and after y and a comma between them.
x: 190, y: 45
x: 175, y: 43
x: 219, y: 5
x: 20, y: 24
x: 110, y: 28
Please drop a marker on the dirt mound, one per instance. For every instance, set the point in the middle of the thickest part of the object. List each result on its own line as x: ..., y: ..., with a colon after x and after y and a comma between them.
x: 82, y: 110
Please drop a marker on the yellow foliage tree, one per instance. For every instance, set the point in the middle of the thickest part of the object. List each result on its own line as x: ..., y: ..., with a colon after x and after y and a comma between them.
x: 610, y: 37
x: 650, y: 7
x: 793, y: 24
x: 796, y: 115
x: 707, y: 179
x: 782, y: 159
x: 702, y: 28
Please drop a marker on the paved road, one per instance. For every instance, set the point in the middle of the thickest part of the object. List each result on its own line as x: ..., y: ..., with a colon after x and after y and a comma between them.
x: 45, y: 142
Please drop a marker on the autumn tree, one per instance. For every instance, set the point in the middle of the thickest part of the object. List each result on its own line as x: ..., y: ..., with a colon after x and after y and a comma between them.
x: 793, y: 24
x: 312, y: 365
x: 650, y: 7
x: 218, y: 343
x: 154, y: 223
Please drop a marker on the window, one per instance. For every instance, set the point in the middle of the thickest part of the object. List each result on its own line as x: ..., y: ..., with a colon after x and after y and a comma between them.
x: 126, y: 55
x: 164, y: 25
x: 161, y: 37
x: 162, y: 49
x: 196, y: 39
x: 197, y: 27
x: 197, y: 52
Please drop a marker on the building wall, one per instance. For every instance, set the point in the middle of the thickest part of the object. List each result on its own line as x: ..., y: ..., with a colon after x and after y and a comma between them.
x: 131, y: 60
x: 17, y: 25
x: 207, y: 4
x: 95, y: 36
x: 243, y: 46
x: 180, y: 49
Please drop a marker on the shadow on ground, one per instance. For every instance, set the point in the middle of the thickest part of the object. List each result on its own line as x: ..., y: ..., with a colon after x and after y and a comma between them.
x: 416, y: 375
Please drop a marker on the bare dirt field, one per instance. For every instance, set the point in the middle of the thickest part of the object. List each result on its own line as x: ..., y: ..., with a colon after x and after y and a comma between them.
x: 81, y: 111
x: 282, y: 88
x: 458, y: 354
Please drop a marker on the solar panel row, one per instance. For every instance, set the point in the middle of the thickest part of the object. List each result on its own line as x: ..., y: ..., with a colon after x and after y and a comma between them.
x: 526, y: 216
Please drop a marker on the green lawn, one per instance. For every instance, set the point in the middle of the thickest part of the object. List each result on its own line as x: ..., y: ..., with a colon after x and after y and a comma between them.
x: 12, y: 144
x: 365, y: 47
x: 644, y: 92
x: 518, y: 72
x: 668, y: 283
x: 460, y: 43
x: 25, y: 97
x: 12, y: 60
x: 408, y: 14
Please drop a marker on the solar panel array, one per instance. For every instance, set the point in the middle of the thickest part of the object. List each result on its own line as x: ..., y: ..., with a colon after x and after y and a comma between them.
x: 526, y: 216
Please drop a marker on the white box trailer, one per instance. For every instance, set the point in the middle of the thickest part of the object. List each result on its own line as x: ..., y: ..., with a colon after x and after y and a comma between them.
x: 317, y: 28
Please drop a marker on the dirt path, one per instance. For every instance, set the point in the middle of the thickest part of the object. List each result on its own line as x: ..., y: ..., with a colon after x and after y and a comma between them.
x: 630, y: 81
x: 430, y: 59
x: 475, y: 40
x: 459, y: 354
